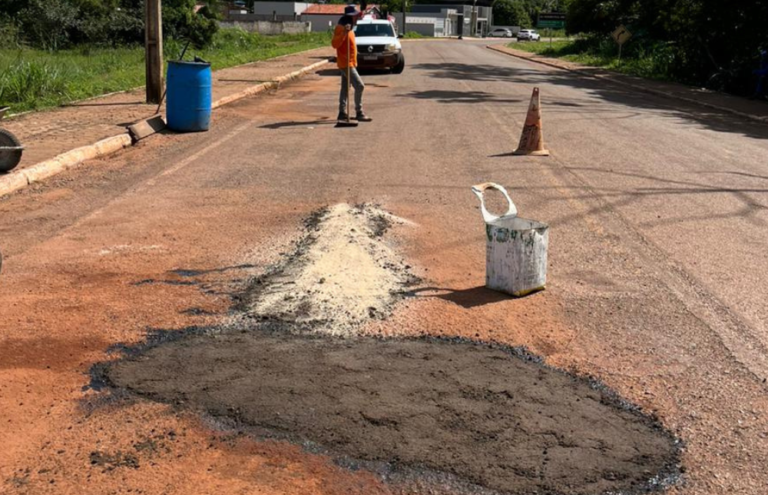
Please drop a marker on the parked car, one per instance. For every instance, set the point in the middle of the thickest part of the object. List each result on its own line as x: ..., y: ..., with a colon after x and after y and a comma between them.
x: 528, y: 35
x: 500, y: 33
x: 378, y: 46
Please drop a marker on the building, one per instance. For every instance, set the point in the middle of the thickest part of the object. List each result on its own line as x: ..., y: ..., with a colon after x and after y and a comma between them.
x: 279, y: 11
x: 446, y: 18
x: 437, y: 24
x: 324, y: 17
x: 451, y: 18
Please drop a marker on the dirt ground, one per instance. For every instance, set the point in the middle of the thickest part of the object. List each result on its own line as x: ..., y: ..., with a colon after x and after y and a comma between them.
x: 166, y: 235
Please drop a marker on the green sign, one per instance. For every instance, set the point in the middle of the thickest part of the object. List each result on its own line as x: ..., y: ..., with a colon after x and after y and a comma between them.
x: 550, y: 24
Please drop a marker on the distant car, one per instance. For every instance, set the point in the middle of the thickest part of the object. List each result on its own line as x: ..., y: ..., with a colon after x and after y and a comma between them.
x: 528, y: 35
x: 500, y: 33
x: 378, y: 46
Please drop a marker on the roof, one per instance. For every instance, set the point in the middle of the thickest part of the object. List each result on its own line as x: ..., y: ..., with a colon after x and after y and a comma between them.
x: 330, y: 9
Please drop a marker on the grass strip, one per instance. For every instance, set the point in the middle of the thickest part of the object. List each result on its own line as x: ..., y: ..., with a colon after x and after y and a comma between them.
x: 36, y: 79
x: 651, y: 64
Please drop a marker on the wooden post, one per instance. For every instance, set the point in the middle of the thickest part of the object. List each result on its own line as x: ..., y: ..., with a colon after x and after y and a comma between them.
x: 153, y: 47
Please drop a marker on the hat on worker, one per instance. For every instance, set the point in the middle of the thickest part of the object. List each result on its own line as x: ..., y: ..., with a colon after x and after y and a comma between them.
x: 351, y: 10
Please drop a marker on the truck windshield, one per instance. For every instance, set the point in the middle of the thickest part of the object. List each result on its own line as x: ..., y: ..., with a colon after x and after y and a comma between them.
x: 362, y: 30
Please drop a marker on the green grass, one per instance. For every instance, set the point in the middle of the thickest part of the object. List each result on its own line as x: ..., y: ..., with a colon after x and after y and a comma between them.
x: 553, y: 33
x: 35, y: 79
x: 652, y: 62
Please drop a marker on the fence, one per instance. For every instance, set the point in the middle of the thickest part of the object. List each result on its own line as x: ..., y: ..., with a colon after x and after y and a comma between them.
x: 268, y: 27
x: 262, y: 17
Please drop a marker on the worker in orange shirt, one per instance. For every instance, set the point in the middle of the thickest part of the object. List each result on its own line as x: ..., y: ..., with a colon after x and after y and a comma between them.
x: 346, y: 54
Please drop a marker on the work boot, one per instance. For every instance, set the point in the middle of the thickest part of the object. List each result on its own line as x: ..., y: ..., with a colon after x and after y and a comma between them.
x: 343, y: 117
x: 362, y: 117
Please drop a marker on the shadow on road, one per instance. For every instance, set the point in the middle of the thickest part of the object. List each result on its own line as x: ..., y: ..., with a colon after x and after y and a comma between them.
x: 362, y: 72
x: 608, y: 91
x: 106, y: 104
x: 293, y: 123
x: 443, y: 96
x: 747, y: 206
x: 257, y: 81
x: 466, y: 298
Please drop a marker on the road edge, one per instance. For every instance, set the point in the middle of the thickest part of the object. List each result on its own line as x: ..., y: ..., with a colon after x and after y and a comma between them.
x: 532, y: 57
x: 105, y: 147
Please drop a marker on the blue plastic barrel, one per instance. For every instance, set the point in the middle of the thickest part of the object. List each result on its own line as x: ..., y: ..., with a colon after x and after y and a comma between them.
x: 188, y: 102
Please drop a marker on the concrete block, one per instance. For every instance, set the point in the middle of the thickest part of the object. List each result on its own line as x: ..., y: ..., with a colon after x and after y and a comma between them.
x: 147, y: 127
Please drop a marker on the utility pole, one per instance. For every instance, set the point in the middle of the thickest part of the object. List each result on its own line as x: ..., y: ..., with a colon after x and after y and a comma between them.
x: 405, y: 17
x: 153, y: 48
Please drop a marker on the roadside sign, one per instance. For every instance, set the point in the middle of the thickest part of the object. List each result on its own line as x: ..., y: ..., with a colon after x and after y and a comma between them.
x: 621, y: 35
x: 552, y: 16
x: 550, y: 24
x: 553, y: 20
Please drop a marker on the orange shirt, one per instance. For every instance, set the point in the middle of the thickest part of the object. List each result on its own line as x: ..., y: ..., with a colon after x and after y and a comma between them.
x: 340, y: 40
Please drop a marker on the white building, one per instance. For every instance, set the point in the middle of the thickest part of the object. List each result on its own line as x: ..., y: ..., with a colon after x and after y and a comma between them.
x: 324, y: 17
x: 448, y: 15
x: 437, y: 24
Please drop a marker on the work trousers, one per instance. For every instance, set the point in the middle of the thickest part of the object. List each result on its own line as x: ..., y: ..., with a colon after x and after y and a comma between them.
x: 357, y: 83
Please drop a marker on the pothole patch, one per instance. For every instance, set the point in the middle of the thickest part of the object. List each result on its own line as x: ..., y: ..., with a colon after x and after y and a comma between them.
x: 341, y: 276
x: 453, y: 415
x: 473, y: 412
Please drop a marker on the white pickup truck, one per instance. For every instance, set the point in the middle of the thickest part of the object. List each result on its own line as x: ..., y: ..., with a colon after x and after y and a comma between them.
x: 378, y: 46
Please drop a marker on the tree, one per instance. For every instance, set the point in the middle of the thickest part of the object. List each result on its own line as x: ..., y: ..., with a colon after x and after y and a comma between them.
x: 510, y: 13
x: 705, y: 42
x: 48, y: 23
x: 180, y: 21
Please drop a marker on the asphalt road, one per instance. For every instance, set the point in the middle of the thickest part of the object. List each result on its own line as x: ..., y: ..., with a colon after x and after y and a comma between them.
x: 658, y: 216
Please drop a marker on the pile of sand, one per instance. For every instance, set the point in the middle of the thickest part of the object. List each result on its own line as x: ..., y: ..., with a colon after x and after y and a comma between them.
x: 342, y: 276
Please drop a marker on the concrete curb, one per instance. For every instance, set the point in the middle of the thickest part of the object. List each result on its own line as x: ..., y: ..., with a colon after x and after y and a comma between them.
x: 637, y: 87
x: 65, y: 161
x: 274, y: 84
x: 35, y: 173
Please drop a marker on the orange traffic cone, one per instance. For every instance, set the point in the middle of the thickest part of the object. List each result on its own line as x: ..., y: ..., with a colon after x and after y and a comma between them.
x: 532, y: 140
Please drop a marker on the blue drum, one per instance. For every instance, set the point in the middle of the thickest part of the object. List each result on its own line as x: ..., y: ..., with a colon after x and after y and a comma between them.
x: 188, y: 104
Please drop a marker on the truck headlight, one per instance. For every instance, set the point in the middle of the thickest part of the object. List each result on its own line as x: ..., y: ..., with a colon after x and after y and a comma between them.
x: 392, y: 47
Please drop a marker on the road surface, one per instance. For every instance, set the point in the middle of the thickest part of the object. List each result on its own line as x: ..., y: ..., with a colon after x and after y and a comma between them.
x: 658, y: 213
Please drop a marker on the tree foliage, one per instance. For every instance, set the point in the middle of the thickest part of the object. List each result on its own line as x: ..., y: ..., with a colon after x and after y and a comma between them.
x: 54, y: 24
x: 707, y: 42
x: 511, y: 13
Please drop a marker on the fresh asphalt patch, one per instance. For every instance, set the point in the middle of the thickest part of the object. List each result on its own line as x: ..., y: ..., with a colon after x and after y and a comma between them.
x: 456, y: 415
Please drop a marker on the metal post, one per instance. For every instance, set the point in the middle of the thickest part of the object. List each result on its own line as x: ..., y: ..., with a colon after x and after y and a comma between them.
x: 405, y: 20
x: 153, y: 48
x: 473, y: 20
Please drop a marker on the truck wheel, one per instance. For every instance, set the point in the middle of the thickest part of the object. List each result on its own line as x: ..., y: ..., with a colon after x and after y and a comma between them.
x: 400, y: 67
x: 9, y: 158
